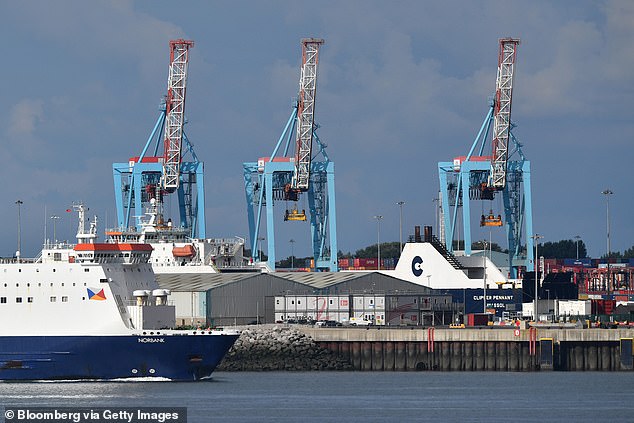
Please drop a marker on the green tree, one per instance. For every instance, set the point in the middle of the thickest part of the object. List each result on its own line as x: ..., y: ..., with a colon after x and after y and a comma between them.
x: 293, y: 262
x: 341, y: 255
x: 388, y: 250
x: 481, y: 245
x: 629, y: 253
x: 566, y: 248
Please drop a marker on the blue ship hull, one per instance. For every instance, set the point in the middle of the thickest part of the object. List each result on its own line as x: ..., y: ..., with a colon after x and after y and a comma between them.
x: 176, y: 357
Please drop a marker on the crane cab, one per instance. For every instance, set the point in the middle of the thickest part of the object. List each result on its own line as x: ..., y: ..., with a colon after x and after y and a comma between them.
x: 295, y: 215
x: 491, y: 220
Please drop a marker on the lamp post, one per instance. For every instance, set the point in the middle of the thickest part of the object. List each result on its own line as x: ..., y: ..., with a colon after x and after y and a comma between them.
x: 536, y: 238
x: 607, y: 192
x: 577, y: 238
x: 54, y: 218
x: 378, y: 218
x: 400, y: 223
x: 484, y: 270
x: 292, y: 241
x: 17, y: 253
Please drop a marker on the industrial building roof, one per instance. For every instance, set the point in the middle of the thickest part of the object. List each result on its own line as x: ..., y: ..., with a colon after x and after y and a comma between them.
x: 320, y: 279
x: 206, y: 281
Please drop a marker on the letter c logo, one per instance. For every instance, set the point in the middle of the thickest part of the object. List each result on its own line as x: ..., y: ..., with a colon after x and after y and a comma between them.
x: 417, y: 269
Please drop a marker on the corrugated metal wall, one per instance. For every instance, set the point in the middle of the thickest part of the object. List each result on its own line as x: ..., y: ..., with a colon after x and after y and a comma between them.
x: 243, y: 301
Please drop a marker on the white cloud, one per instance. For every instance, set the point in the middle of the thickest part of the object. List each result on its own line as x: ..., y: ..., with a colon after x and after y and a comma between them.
x: 25, y: 116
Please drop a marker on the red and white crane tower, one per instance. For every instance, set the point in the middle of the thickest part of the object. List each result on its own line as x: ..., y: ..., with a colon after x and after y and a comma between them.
x: 306, y: 113
x: 502, y: 112
x: 175, y: 112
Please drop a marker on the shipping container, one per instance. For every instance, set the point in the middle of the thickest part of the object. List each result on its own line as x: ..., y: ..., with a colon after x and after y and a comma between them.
x: 357, y: 303
x: 603, y: 306
x: 369, y: 303
x: 344, y: 303
x: 311, y: 303
x: 582, y: 262
x: 366, y: 262
x: 291, y: 303
x: 301, y: 303
x: 280, y: 304
x: 345, y: 263
x: 327, y: 315
x: 478, y: 319
x: 574, y: 307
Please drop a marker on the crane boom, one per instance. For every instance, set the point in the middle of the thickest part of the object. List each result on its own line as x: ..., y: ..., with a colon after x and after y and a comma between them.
x: 306, y: 112
x: 175, y: 112
x: 502, y: 112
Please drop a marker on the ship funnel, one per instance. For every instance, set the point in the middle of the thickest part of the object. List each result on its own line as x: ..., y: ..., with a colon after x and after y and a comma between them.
x: 427, y: 231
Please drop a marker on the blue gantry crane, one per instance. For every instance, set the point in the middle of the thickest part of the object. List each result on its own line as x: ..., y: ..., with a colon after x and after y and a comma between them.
x: 506, y: 172
x: 285, y: 178
x: 144, y: 181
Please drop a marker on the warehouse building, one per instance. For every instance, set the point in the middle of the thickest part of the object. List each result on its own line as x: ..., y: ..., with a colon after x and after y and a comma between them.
x: 244, y: 298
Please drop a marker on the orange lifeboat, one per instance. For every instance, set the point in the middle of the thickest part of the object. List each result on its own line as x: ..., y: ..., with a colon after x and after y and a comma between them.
x: 184, y: 251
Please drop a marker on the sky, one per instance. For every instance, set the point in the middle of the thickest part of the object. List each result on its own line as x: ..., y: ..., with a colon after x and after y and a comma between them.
x: 402, y: 85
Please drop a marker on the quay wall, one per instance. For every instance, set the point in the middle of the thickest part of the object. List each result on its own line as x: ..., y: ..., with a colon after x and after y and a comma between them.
x: 372, y: 349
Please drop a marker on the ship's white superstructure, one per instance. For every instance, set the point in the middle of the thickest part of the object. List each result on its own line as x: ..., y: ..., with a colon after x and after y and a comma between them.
x: 175, y: 252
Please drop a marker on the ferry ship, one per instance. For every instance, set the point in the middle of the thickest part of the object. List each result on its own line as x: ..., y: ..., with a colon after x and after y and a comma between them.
x: 94, y: 311
x: 175, y: 253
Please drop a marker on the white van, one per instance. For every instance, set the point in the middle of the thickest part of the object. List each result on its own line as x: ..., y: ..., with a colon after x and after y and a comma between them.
x: 358, y: 321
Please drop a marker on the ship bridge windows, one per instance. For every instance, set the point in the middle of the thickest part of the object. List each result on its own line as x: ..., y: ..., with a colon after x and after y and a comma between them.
x: 53, y: 299
x: 64, y: 299
x: 18, y: 299
x: 29, y: 299
x: 3, y: 300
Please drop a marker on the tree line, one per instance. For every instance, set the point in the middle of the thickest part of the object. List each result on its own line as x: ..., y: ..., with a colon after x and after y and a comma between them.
x: 565, y: 248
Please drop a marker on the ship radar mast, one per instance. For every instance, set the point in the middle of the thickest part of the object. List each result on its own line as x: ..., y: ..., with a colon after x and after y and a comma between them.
x: 85, y: 236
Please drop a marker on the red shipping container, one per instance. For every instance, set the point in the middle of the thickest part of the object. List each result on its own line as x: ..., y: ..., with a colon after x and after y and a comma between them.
x: 603, y: 306
x: 477, y: 319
